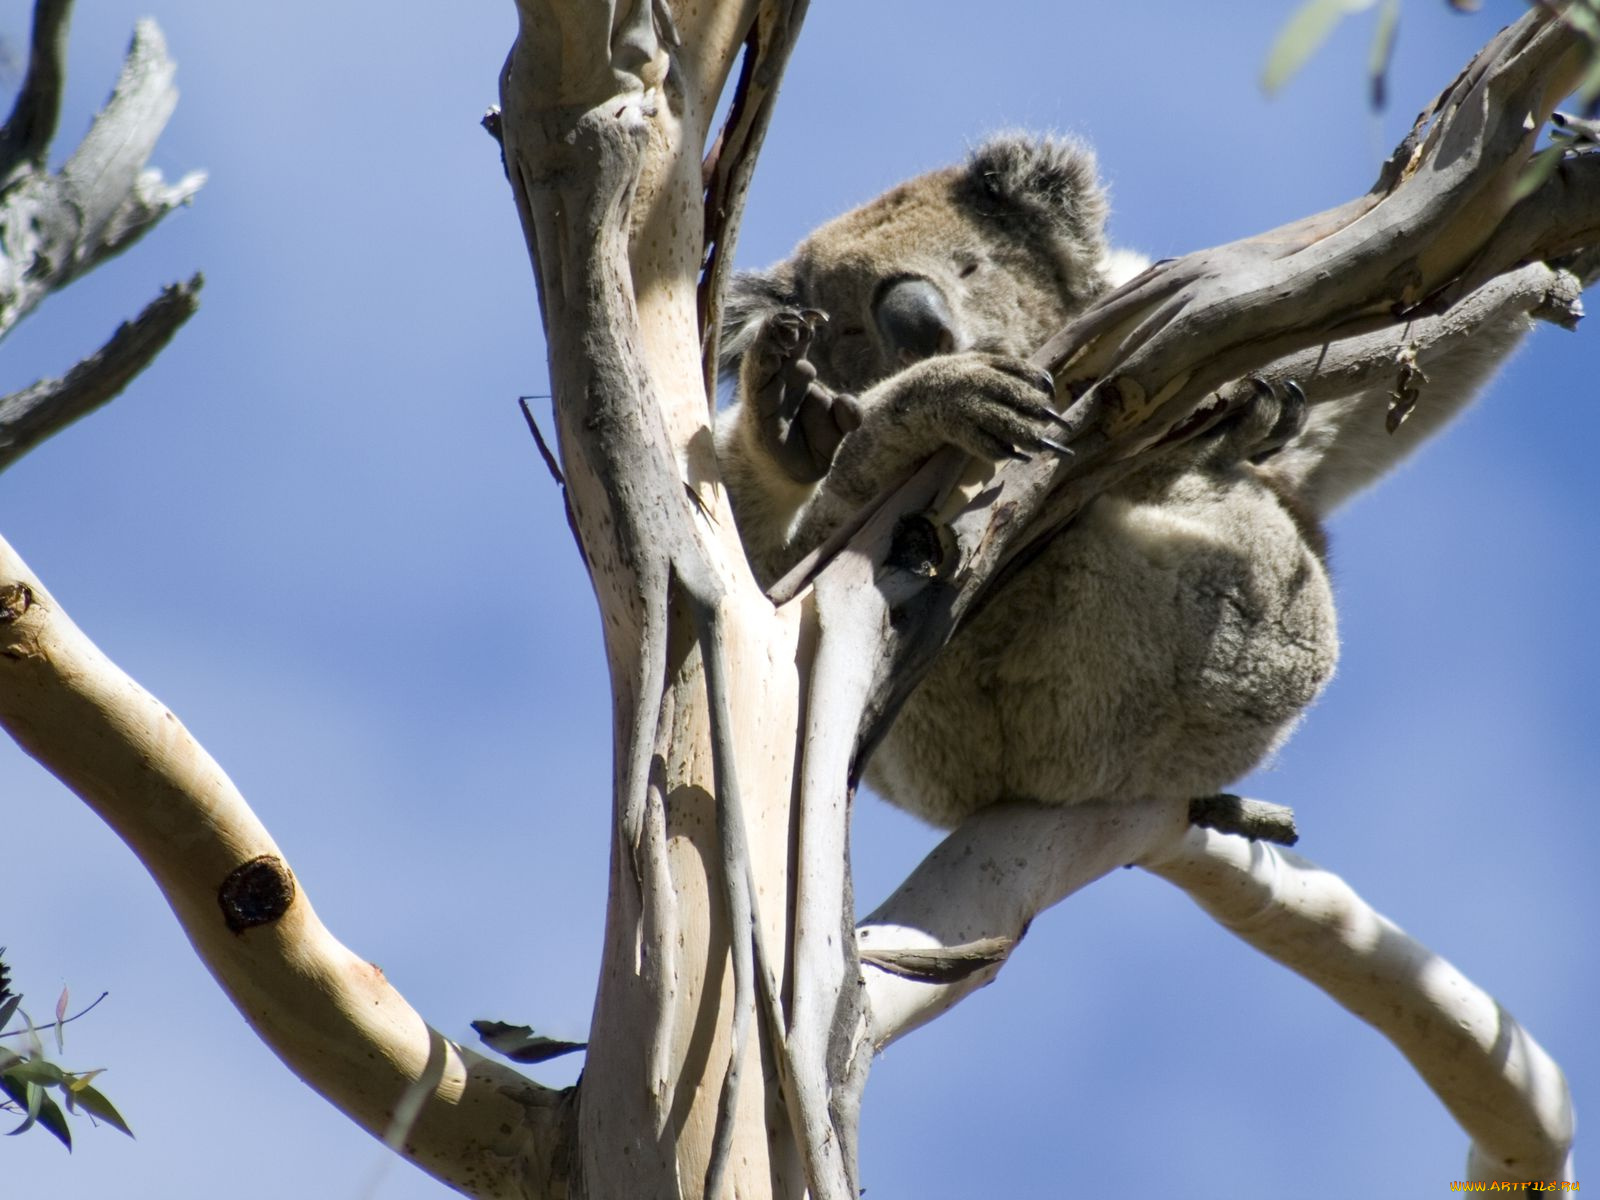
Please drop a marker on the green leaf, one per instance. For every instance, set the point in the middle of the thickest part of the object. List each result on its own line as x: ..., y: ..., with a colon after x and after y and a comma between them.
x: 8, y: 1009
x: 32, y: 1100
x: 1305, y: 30
x: 96, y: 1105
x: 14, y: 1089
x: 38, y: 1070
x: 53, y: 1119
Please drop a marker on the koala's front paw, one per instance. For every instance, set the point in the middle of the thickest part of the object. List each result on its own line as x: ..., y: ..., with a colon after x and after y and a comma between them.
x: 991, y: 405
x: 801, y: 422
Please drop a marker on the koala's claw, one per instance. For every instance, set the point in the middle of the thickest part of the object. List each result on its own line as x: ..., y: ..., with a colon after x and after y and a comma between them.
x: 1290, y: 424
x: 1262, y: 426
x: 801, y: 421
x: 991, y: 405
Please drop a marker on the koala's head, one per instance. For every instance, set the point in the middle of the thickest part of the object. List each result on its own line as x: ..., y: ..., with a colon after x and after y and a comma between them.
x: 992, y: 255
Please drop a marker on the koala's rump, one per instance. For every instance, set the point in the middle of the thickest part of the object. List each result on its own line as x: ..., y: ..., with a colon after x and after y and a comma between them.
x: 1161, y: 646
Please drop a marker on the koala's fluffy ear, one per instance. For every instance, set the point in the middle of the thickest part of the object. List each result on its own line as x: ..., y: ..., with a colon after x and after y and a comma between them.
x: 750, y: 298
x: 1048, y: 185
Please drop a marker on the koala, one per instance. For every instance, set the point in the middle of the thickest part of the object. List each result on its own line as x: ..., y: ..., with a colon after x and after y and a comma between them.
x: 1163, y: 643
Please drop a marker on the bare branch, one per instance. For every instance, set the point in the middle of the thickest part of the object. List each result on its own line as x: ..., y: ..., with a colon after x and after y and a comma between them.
x: 54, y: 228
x: 947, y: 929
x: 30, y: 416
x: 25, y: 137
x: 331, y: 1016
x: 1498, y: 1083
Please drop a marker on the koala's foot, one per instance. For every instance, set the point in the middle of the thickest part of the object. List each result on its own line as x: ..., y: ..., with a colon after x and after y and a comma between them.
x: 801, y: 422
x: 1259, y: 428
x: 1290, y: 423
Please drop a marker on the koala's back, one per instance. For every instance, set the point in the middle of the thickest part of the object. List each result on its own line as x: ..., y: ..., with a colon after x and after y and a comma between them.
x: 1162, y: 645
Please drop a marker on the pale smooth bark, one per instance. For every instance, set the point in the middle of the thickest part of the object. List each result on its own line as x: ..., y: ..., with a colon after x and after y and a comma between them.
x: 1507, y: 1094
x: 328, y: 1013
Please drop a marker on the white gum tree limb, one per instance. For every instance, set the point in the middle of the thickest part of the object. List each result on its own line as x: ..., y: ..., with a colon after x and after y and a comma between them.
x: 738, y: 1006
x: 1505, y: 1092
x: 330, y: 1015
x: 982, y: 886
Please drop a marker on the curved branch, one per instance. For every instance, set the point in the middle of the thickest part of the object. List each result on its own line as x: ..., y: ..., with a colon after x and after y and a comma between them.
x: 329, y: 1015
x: 731, y: 162
x: 949, y: 928
x: 1498, y: 1083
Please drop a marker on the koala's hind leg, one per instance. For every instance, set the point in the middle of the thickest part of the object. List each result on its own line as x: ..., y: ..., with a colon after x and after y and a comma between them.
x: 801, y: 422
x: 1249, y: 439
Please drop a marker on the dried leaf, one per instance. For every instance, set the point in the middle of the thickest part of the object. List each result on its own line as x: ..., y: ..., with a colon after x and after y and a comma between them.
x: 520, y: 1044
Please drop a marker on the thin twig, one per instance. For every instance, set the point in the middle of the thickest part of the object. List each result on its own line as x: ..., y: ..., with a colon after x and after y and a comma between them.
x: 84, y: 1011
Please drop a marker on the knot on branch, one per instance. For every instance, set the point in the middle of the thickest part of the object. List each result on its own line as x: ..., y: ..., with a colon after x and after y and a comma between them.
x: 257, y: 893
x: 15, y: 599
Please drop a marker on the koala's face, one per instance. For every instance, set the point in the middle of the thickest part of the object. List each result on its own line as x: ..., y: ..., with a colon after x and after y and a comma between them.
x: 994, y: 255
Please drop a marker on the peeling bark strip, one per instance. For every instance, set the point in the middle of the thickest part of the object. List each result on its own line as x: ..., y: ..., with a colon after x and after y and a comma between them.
x: 941, y: 964
x: 256, y: 893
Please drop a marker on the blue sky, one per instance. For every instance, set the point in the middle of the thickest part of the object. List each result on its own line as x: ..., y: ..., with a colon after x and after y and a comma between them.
x: 317, y: 530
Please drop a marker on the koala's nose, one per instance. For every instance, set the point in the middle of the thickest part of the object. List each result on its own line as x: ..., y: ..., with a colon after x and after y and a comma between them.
x: 914, y: 320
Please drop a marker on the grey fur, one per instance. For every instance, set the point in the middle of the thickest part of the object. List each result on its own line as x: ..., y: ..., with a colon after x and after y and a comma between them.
x: 1163, y: 644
